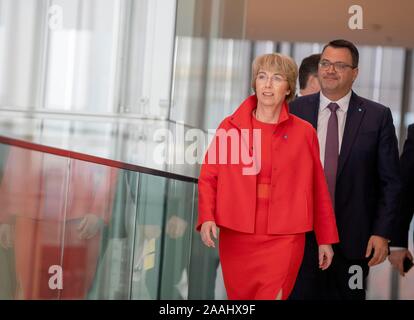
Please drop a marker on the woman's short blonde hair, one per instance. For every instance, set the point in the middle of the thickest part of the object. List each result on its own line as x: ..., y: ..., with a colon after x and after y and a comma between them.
x: 277, y: 63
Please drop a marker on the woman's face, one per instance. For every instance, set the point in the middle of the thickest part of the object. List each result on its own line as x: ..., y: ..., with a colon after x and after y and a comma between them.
x: 271, y: 88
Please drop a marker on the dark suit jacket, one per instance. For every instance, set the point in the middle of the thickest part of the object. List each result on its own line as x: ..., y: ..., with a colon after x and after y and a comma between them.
x: 400, y: 238
x: 368, y: 181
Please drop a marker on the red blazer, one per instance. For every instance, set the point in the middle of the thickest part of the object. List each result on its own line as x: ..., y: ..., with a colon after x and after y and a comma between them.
x: 299, y: 198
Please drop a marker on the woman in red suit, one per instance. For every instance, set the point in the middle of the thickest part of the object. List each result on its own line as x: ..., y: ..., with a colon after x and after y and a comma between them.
x: 263, y: 184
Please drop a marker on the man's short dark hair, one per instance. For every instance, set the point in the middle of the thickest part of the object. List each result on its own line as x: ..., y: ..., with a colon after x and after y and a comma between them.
x: 308, y: 67
x: 340, y: 43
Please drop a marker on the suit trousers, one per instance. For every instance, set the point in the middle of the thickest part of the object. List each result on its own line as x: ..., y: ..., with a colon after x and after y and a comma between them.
x: 345, y: 279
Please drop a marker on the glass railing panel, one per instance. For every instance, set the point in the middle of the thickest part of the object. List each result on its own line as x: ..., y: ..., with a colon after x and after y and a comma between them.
x: 147, y: 244
x: 7, y: 261
x: 205, y: 276
x: 176, y: 237
x: 114, y: 270
x: 33, y: 202
x: 89, y: 212
x: 73, y: 229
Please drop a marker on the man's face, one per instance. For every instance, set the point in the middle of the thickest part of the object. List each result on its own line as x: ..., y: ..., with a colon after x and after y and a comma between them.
x: 338, y: 79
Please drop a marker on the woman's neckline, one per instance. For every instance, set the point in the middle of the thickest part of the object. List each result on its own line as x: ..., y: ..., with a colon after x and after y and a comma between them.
x: 262, y: 122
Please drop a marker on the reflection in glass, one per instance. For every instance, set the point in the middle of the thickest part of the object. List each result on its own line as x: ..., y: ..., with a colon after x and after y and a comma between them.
x: 7, y: 265
x: 90, y: 198
x: 177, y: 232
x: 147, y: 246
x: 114, y: 271
x: 206, y: 279
x: 52, y: 213
x: 32, y: 202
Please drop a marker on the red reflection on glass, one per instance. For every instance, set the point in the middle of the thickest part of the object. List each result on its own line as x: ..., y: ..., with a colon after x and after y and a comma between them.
x: 52, y: 211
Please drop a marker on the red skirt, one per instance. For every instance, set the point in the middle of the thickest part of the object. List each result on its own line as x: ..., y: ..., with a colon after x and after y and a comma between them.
x: 259, y: 265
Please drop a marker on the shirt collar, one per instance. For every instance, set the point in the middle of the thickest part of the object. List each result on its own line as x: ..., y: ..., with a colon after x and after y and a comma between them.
x: 343, y: 103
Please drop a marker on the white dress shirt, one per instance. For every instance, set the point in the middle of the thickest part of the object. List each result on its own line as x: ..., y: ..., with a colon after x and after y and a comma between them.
x: 323, y: 118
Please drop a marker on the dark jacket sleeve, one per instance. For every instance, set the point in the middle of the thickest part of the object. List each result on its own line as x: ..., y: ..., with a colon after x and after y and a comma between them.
x: 389, y: 179
x: 400, y: 234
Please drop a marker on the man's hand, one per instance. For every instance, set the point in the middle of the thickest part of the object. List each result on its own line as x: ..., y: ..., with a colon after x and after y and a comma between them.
x: 397, y: 259
x: 207, y: 228
x: 89, y: 226
x: 325, y: 256
x: 176, y: 227
x: 380, y: 247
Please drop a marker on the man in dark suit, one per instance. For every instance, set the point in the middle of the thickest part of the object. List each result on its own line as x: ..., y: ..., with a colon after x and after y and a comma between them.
x: 359, y: 152
x: 400, y: 239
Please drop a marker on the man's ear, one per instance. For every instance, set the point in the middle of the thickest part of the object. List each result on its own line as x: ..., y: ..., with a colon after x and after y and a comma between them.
x: 355, y: 74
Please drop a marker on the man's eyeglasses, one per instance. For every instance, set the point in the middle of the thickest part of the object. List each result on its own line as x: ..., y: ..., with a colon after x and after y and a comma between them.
x: 338, y: 66
x: 275, y: 79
